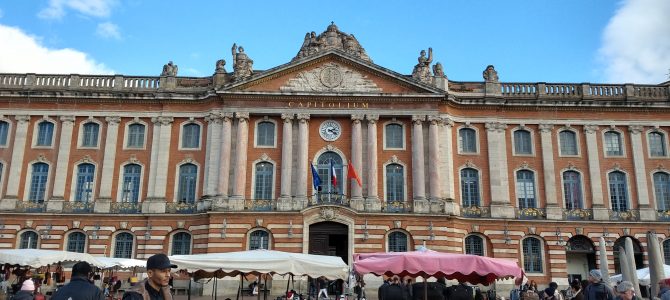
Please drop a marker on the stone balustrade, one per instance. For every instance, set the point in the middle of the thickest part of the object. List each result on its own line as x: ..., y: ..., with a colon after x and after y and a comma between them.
x: 584, y: 91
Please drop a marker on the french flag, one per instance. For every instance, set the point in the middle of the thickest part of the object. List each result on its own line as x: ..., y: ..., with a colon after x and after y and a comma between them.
x: 333, y: 177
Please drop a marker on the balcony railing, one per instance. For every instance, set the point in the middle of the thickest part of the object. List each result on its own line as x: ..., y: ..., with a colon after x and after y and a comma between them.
x: 397, y: 207
x: 578, y: 214
x: 531, y: 213
x: 31, y: 207
x: 663, y: 215
x: 126, y: 207
x: 181, y: 207
x: 329, y: 198
x: 260, y: 204
x: 475, y: 211
x: 626, y: 215
x: 77, y: 207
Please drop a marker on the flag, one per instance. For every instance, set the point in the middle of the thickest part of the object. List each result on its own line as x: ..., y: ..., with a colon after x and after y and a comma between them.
x: 333, y: 178
x: 316, y: 180
x: 351, y: 174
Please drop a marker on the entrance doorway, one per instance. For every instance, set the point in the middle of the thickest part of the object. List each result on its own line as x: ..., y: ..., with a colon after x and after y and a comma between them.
x: 581, y: 257
x: 329, y: 238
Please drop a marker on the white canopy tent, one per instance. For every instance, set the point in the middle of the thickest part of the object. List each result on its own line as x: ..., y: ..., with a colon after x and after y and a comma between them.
x: 264, y: 262
x: 36, y: 258
x: 122, y: 263
x: 642, y: 275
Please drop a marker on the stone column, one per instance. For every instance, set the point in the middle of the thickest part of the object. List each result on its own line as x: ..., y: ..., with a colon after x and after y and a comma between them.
x: 418, y: 174
x: 501, y: 206
x: 286, y: 163
x: 153, y: 160
x: 16, y: 165
x: 435, y: 188
x: 647, y: 212
x: 55, y: 203
x: 103, y: 202
x: 357, y: 201
x: 303, y: 165
x: 372, y: 203
x: 237, y: 200
x: 224, y: 158
x: 212, y: 155
x: 554, y: 210
x: 600, y: 211
x: 451, y: 207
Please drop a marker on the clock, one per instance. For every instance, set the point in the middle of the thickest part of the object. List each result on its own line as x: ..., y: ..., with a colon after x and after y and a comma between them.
x: 330, y: 130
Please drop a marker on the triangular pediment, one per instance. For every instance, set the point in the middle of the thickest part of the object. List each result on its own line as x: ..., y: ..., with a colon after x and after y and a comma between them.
x: 332, y: 72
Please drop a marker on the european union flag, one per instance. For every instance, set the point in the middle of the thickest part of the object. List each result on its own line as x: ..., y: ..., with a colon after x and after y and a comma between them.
x: 316, y: 180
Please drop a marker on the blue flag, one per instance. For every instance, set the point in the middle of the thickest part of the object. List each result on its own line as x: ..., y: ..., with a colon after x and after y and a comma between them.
x: 316, y: 180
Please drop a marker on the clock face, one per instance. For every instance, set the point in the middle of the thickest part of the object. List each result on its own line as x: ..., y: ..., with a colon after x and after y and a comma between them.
x: 330, y: 130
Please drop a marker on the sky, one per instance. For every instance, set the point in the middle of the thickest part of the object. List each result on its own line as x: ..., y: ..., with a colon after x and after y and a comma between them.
x: 603, y: 41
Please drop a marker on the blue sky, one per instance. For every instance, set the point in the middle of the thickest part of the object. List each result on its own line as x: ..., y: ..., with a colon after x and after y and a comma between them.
x: 527, y: 41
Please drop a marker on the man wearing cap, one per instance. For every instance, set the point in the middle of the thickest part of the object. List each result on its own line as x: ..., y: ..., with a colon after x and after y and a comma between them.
x: 79, y: 288
x: 155, y: 287
x: 597, y: 289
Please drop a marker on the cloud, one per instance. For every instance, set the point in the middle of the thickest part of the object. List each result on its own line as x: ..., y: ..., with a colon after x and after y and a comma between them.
x: 25, y: 54
x: 636, y: 44
x: 95, y: 8
x: 108, y: 30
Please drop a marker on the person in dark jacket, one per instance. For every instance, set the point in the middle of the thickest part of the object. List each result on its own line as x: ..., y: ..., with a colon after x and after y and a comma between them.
x: 79, y: 287
x: 155, y: 287
x: 597, y: 289
x: 577, y: 292
x: 393, y: 291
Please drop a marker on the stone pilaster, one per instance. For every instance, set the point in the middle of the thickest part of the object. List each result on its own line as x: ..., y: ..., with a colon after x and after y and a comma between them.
x: 372, y: 202
x: 451, y: 207
x: 224, y: 158
x: 284, y: 202
x: 163, y: 156
x: 153, y: 160
x: 103, y: 202
x: 600, y: 210
x: 236, y: 202
x: 418, y: 163
x: 554, y: 210
x: 303, y: 166
x: 501, y: 206
x: 212, y: 155
x: 435, y: 187
x: 160, y: 155
x: 647, y: 212
x: 357, y: 201
x: 55, y: 203
x: 16, y: 165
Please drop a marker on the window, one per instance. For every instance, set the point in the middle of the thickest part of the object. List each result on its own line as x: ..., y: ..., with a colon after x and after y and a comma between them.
x: 181, y: 243
x: 470, y: 187
x: 90, y: 138
x: 325, y: 165
x: 263, y: 181
x: 28, y: 240
x: 613, y: 144
x: 662, y: 189
x: 187, y: 182
x: 45, y: 131
x: 525, y: 189
x: 474, y: 245
x: 76, y: 242
x: 259, y: 239
x: 191, y: 136
x: 394, y: 137
x: 265, y: 134
x: 618, y: 191
x: 38, y: 182
x: 397, y: 242
x: 657, y: 144
x: 572, y: 189
x: 123, y: 246
x: 532, y: 255
x: 4, y: 132
x: 395, y: 185
x: 522, y: 143
x: 666, y: 251
x: 85, y: 174
x: 468, y: 140
x: 568, y: 142
x: 131, y: 183
x: 136, y: 136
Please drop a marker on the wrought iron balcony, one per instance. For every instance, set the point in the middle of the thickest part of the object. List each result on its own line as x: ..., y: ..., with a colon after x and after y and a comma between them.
x: 397, y: 206
x: 329, y: 198
x: 625, y: 215
x: 663, y: 215
x: 578, y: 214
x: 31, y: 207
x: 181, y: 207
x: 531, y: 213
x: 126, y: 207
x: 475, y: 211
x: 77, y: 207
x: 260, y: 204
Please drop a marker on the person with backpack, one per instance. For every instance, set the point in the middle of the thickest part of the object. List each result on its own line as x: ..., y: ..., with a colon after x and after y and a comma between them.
x: 597, y: 289
x: 79, y: 288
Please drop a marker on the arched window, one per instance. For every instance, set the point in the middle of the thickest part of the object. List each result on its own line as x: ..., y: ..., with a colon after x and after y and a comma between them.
x: 572, y: 189
x: 618, y: 191
x: 28, y: 240
x: 131, y: 183
x: 259, y: 239
x: 398, y: 242
x: 666, y: 251
x: 568, y: 142
x: 76, y: 242
x: 85, y: 174
x: 657, y: 144
x: 395, y: 183
x: 265, y: 134
x: 613, y: 144
x: 474, y: 245
x: 90, y: 137
x: 662, y: 189
x: 135, y: 136
x: 45, y: 131
x: 263, y: 181
x: 522, y: 142
x: 326, y: 163
x: 470, y: 187
x: 525, y: 189
x: 190, y: 137
x: 468, y: 140
x: 394, y: 136
x: 187, y: 182
x: 532, y: 255
x: 181, y: 243
x: 4, y: 133
x: 38, y: 182
x: 123, y: 245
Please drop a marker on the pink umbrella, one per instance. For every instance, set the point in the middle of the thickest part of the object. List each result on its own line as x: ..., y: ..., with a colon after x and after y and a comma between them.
x: 425, y: 263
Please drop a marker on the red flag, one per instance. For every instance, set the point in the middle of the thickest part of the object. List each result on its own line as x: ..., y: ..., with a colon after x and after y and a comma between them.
x: 351, y: 174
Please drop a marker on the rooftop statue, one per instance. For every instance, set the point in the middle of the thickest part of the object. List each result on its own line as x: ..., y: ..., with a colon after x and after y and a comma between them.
x: 170, y: 69
x: 421, y: 71
x: 438, y: 70
x: 220, y: 66
x: 490, y: 74
x: 242, y: 64
x: 332, y: 38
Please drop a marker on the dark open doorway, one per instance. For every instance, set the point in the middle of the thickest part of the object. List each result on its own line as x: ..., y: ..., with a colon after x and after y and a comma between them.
x: 329, y: 238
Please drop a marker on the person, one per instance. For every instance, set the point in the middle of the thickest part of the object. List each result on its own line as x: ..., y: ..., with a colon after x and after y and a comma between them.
x: 27, y: 290
x: 393, y: 291
x: 460, y: 291
x: 557, y: 295
x: 79, y: 288
x: 597, y: 289
x: 576, y: 290
x: 626, y: 291
x: 323, y: 287
x: 360, y: 289
x: 549, y: 294
x: 155, y: 287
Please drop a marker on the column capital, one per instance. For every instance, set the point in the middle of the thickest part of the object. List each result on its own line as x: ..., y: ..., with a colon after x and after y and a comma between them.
x: 288, y: 118
x: 213, y: 117
x: 372, y: 118
x: 447, y: 122
x: 22, y: 118
x: 303, y: 118
x: 227, y: 116
x: 546, y: 127
x: 113, y: 120
x: 356, y: 119
x: 242, y: 116
x: 495, y: 126
x: 635, y: 129
x: 435, y: 120
x: 418, y: 119
x: 67, y: 119
x: 162, y: 120
x: 590, y: 128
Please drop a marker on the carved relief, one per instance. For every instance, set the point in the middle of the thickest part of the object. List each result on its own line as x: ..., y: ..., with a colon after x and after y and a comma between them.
x: 75, y: 224
x: 635, y: 129
x: 545, y: 127
x: 397, y: 224
x: 332, y: 38
x: 330, y: 77
x: 123, y: 225
x: 591, y: 128
x: 113, y: 120
x: 495, y: 126
x: 328, y: 213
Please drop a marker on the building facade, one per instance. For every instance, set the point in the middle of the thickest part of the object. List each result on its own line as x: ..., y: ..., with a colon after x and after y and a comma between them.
x: 535, y: 172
